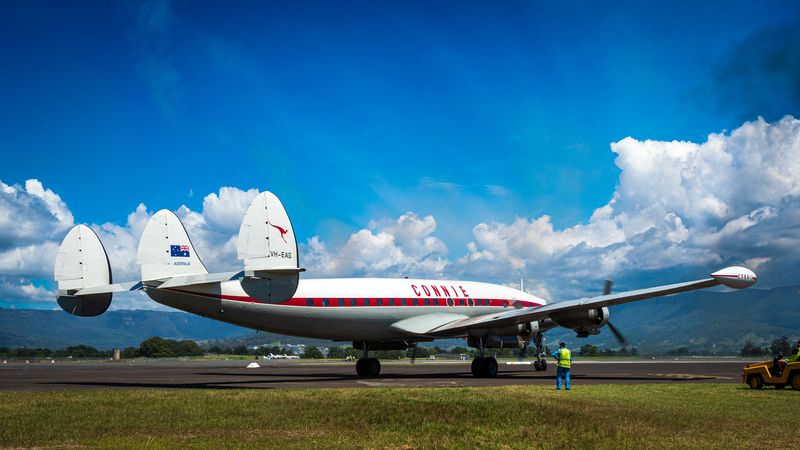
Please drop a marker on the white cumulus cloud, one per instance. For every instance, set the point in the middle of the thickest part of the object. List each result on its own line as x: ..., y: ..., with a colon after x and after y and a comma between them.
x: 676, y: 203
x: 733, y: 199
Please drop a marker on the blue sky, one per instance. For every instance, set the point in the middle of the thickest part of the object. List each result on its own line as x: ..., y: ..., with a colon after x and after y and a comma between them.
x: 355, y: 113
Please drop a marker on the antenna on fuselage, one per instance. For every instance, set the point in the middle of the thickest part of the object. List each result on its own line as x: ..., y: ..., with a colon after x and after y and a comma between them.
x: 521, y: 285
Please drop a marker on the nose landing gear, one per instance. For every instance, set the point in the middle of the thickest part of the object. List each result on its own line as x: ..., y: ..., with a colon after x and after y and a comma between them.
x: 540, y: 365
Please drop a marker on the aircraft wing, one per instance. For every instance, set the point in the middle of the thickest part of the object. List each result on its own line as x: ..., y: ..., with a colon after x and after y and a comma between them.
x: 515, y: 316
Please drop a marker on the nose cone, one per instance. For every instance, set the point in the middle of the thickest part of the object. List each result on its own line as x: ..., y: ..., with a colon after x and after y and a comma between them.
x: 735, y: 277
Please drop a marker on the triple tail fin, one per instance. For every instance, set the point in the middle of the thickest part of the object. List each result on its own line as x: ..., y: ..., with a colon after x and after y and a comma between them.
x: 82, y: 263
x: 165, y: 250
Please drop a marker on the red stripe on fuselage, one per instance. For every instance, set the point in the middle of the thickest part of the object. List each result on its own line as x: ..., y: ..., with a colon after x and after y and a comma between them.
x: 367, y: 302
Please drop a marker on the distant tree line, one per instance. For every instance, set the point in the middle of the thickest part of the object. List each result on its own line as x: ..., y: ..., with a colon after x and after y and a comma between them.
x: 154, y: 347
x: 243, y: 350
x: 75, y: 351
x: 779, y: 346
x: 157, y: 347
x: 593, y: 350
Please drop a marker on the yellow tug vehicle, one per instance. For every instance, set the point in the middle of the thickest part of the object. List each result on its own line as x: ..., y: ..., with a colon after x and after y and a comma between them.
x: 763, y: 373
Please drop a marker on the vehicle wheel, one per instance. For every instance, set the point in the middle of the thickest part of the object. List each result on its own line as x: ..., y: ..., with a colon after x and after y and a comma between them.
x: 756, y: 382
x: 489, y: 367
x: 537, y: 365
x: 796, y: 382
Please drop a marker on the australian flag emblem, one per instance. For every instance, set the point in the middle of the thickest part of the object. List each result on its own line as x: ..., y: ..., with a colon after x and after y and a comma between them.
x: 179, y: 250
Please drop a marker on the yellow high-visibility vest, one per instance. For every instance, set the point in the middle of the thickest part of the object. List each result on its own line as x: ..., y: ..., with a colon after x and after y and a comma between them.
x: 564, y: 358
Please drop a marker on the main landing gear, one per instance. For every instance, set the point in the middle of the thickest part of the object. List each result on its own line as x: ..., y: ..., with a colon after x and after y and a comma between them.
x: 366, y: 366
x: 483, y: 366
x: 540, y: 365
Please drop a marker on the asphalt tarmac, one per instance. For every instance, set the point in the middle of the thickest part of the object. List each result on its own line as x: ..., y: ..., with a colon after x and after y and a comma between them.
x: 47, y: 376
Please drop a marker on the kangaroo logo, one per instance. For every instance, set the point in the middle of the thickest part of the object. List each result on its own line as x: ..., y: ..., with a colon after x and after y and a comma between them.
x: 282, y: 231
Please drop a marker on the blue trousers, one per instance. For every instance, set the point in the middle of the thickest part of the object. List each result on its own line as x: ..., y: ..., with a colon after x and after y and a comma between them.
x: 562, y: 372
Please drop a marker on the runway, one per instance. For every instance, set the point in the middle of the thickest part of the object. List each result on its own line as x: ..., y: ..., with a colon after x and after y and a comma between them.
x: 46, y: 376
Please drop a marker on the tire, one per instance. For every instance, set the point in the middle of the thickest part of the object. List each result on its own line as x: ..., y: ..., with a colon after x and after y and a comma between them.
x: 373, y: 367
x: 544, y: 365
x: 796, y: 381
x: 477, y: 364
x: 489, y: 367
x: 537, y: 365
x: 755, y: 382
x: 361, y: 367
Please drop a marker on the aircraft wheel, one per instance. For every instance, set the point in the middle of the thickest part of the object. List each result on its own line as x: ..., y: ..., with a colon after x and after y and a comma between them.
x: 537, y: 365
x: 796, y: 382
x: 373, y: 367
x: 756, y: 382
x: 489, y: 367
x: 544, y: 365
x: 477, y: 364
x: 360, y: 367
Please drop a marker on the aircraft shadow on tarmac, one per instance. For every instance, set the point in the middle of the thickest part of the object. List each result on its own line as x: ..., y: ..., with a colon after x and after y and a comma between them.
x: 269, y: 380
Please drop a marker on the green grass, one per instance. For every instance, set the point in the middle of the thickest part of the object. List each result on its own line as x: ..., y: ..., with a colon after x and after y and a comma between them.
x: 590, y: 416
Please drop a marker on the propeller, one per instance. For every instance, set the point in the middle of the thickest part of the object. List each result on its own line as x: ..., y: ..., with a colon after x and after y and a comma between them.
x: 523, y: 352
x: 617, y: 334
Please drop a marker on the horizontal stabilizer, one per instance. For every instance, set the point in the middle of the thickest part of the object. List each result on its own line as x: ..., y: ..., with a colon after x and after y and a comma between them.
x: 109, y: 288
x: 165, y: 249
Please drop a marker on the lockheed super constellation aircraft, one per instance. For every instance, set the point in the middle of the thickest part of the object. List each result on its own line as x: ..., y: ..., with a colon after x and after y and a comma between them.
x: 373, y: 313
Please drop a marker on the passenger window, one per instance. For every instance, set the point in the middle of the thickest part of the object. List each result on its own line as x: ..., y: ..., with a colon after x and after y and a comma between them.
x: 449, y: 302
x: 352, y: 302
x: 416, y: 302
x: 309, y: 302
x: 325, y: 302
x: 341, y: 302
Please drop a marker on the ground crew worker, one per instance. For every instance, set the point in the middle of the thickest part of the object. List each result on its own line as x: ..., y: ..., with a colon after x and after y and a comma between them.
x: 564, y: 358
x: 779, y: 364
x: 796, y: 355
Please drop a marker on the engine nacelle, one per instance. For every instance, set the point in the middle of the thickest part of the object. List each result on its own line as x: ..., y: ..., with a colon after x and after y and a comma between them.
x: 584, y: 322
x: 524, y: 330
x: 512, y: 336
x: 496, y: 341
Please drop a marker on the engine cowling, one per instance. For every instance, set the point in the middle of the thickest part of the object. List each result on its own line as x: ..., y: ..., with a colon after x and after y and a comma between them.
x: 512, y: 336
x: 584, y: 322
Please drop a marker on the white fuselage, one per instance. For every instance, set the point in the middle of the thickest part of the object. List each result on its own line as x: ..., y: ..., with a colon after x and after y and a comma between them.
x: 345, y: 309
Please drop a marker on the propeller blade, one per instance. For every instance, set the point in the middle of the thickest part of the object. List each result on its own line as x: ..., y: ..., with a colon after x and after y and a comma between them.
x: 617, y: 334
x: 523, y: 353
x: 607, y: 287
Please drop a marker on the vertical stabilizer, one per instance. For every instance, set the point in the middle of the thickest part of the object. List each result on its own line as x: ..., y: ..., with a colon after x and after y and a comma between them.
x: 82, y: 263
x: 269, y: 250
x: 266, y: 237
x: 165, y: 249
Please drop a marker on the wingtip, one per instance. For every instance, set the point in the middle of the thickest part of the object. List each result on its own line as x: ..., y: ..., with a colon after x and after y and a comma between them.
x: 736, y: 277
